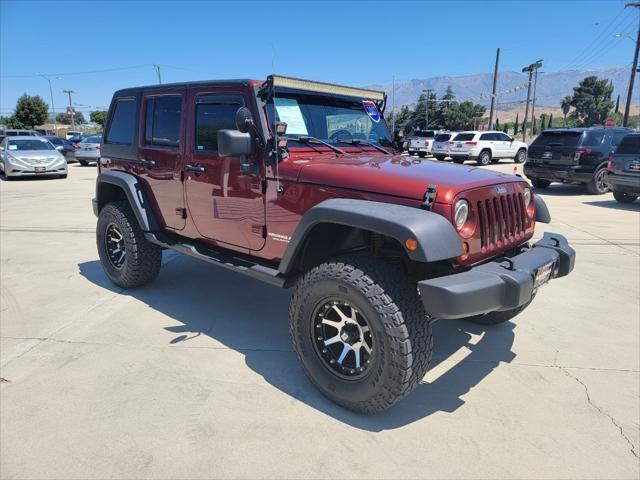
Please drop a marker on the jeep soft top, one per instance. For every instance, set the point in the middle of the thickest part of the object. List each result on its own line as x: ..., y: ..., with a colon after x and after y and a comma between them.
x: 296, y: 183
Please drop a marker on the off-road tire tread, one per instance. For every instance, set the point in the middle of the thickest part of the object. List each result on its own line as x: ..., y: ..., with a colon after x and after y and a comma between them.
x: 143, y: 260
x: 397, y: 302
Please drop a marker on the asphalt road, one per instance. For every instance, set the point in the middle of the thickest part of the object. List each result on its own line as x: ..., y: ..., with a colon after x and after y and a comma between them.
x: 194, y: 375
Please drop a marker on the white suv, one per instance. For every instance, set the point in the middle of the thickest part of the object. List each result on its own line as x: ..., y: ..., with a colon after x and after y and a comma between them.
x: 486, y: 147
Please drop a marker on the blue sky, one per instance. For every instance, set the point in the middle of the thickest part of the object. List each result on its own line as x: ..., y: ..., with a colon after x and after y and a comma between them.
x: 354, y: 43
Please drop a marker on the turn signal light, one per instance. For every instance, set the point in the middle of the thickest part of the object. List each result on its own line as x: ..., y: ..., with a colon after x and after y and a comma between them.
x: 411, y: 244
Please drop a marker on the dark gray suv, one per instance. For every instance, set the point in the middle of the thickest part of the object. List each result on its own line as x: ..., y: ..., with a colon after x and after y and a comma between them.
x: 623, y: 170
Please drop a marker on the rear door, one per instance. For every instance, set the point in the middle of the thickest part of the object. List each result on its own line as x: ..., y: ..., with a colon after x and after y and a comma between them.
x: 161, y: 150
x: 460, y: 145
x: 555, y: 147
x: 225, y: 204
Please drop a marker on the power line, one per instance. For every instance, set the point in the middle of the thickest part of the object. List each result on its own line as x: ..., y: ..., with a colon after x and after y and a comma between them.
x: 88, y: 72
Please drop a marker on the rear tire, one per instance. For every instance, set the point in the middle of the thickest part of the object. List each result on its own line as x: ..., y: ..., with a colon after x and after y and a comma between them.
x: 597, y: 186
x: 459, y: 161
x: 128, y: 259
x: 440, y: 158
x: 624, y: 197
x: 540, y: 183
x: 382, y: 299
x: 521, y: 156
x: 485, y: 158
x: 422, y: 154
x: 84, y: 163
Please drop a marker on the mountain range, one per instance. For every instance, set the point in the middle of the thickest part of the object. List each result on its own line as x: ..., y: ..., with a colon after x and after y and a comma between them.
x: 551, y: 87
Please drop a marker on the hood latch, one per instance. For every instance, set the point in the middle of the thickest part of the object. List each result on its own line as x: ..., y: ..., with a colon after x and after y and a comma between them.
x: 429, y: 197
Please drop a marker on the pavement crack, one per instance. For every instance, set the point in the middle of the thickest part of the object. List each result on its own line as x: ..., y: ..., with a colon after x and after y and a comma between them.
x: 632, y: 448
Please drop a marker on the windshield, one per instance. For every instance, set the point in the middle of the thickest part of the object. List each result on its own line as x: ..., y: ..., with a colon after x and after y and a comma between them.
x: 331, y: 119
x: 443, y: 137
x: 24, y: 145
x: 94, y: 139
x: 561, y: 139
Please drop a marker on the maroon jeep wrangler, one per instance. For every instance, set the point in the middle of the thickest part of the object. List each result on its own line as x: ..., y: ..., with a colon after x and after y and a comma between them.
x: 296, y: 183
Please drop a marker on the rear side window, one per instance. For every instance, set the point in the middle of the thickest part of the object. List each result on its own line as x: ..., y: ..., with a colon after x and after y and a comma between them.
x: 558, y: 139
x: 213, y: 114
x: 593, y: 138
x: 162, y: 121
x: 464, y: 137
x: 123, y: 122
x: 488, y: 136
x: 617, y: 138
x: 630, y: 145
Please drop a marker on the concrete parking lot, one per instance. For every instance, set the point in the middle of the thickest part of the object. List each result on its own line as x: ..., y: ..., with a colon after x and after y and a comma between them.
x: 194, y: 376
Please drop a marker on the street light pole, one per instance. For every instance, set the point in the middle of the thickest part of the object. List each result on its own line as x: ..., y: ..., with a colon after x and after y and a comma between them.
x: 634, y: 69
x: 71, y: 112
x: 53, y: 107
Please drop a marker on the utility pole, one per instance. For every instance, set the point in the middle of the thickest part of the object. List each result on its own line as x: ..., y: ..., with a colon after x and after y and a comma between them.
x: 529, y: 69
x: 157, y: 67
x: 71, y: 111
x: 493, y: 92
x: 533, y: 101
x: 55, y: 124
x: 426, y: 108
x: 393, y: 108
x: 634, y: 69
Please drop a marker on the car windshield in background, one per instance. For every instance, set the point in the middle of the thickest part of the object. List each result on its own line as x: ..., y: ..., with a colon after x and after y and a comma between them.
x: 630, y: 145
x: 427, y: 134
x: 93, y: 139
x: 443, y: 137
x: 559, y: 139
x: 330, y: 119
x: 25, y: 145
x: 464, y: 137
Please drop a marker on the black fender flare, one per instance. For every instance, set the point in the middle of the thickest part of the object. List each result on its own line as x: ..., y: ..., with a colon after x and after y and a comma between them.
x: 436, y: 236
x: 542, y: 212
x: 135, y: 194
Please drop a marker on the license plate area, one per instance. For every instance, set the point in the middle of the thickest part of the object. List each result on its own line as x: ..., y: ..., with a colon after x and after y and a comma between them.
x: 40, y: 169
x: 543, y: 274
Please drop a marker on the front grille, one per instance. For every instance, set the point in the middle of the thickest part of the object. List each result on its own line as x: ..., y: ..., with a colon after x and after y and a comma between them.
x: 502, y: 218
x: 36, y: 161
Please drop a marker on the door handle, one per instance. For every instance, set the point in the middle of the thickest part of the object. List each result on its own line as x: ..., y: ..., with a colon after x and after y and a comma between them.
x: 195, y: 169
x: 147, y: 163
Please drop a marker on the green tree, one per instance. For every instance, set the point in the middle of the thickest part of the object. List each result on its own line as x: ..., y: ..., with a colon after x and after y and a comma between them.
x: 515, y: 127
x: 550, y: 125
x: 591, y: 100
x: 31, y: 111
x: 98, y: 117
x: 497, y: 125
x: 565, y: 105
x: 534, y: 126
x: 4, y: 120
x: 543, y: 122
x: 618, y: 104
x: 65, y: 118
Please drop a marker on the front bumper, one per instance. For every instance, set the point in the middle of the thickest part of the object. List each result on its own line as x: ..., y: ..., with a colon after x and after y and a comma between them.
x: 558, y: 173
x: 30, y: 171
x: 623, y: 183
x: 503, y: 284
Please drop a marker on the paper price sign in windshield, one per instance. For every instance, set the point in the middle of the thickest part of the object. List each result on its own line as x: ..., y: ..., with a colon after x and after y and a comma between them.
x: 289, y: 112
x: 372, y: 110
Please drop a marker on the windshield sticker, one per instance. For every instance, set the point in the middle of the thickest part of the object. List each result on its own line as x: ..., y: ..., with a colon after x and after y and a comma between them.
x: 13, y: 147
x: 372, y: 110
x: 289, y: 112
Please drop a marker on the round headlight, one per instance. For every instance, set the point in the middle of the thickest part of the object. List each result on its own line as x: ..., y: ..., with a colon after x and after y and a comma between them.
x: 527, y: 197
x: 461, y: 213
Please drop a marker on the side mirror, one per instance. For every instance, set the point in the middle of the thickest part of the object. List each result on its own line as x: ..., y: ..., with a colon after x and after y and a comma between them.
x: 244, y: 119
x: 59, y: 148
x: 234, y: 143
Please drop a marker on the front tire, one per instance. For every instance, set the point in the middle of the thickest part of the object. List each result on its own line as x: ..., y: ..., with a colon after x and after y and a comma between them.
x: 540, y: 183
x: 624, y: 197
x: 597, y: 185
x: 485, y: 158
x: 440, y: 158
x: 128, y: 259
x: 84, y: 163
x: 459, y: 161
x: 521, y: 156
x: 356, y: 303
x: 422, y: 154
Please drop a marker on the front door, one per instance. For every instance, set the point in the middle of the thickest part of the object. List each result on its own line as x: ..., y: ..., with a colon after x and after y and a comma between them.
x: 225, y: 204
x: 160, y: 153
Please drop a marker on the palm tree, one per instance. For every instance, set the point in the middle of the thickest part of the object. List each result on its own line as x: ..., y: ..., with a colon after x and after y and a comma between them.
x: 565, y: 104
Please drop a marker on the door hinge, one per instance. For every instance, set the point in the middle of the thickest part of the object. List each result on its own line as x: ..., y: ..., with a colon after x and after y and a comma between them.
x: 181, y: 212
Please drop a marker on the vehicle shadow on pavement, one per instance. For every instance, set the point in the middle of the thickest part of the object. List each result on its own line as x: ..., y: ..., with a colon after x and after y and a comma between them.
x: 561, y: 190
x: 250, y: 317
x: 630, y: 207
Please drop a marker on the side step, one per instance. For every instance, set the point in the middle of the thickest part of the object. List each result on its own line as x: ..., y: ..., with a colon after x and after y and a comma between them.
x: 222, y: 258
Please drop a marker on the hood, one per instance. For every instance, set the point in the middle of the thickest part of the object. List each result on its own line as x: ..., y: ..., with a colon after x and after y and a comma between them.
x: 34, y: 154
x: 397, y: 175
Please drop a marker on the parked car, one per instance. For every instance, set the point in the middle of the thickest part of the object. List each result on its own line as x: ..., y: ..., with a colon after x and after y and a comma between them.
x: 89, y: 150
x: 28, y: 156
x: 44, y: 132
x: 64, y: 146
x: 573, y: 155
x: 440, y: 148
x: 14, y: 132
x: 75, y: 139
x: 486, y: 147
x: 420, y: 142
x: 623, y: 169
x: 374, y: 245
x: 74, y: 134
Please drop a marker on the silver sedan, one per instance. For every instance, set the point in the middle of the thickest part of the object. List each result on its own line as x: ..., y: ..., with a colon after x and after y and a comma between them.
x: 30, y: 157
x: 89, y: 150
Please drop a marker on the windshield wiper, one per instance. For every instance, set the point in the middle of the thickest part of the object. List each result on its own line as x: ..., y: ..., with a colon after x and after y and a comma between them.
x: 308, y: 139
x: 355, y: 141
